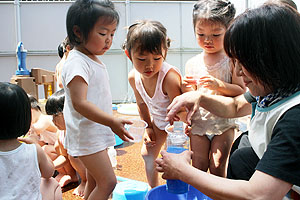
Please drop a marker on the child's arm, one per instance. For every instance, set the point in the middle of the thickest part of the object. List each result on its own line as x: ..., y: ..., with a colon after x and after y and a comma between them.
x: 143, y: 109
x: 172, y: 87
x: 45, y: 163
x: 78, y: 91
x: 233, y: 89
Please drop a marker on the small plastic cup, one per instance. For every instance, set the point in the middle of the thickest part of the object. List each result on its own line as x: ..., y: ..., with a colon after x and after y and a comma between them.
x: 137, y: 129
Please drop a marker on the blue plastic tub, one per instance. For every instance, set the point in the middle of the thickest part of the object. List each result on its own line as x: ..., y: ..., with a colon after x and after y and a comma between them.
x: 160, y: 193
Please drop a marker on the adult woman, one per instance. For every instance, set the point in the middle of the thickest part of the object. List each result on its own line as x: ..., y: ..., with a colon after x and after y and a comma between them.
x: 262, y: 43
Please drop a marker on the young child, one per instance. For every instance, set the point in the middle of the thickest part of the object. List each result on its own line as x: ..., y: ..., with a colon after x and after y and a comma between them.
x: 212, y: 72
x: 63, y: 50
x: 43, y: 126
x: 155, y: 83
x: 54, y: 106
x: 22, y: 165
x: 90, y: 125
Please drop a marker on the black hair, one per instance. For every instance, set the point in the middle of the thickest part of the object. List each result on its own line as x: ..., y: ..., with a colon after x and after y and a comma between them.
x: 55, y: 103
x: 62, y: 47
x: 60, y: 50
x: 286, y: 2
x: 34, y: 103
x: 16, y: 111
x: 215, y: 11
x: 85, y: 13
x: 147, y: 36
x: 266, y: 42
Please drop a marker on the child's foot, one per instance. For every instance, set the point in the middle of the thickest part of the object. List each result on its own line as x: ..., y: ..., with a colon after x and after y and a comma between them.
x: 79, y: 191
x: 66, y: 179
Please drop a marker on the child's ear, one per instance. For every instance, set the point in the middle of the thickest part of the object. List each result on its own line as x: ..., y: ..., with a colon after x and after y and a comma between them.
x: 77, y: 32
x: 127, y: 54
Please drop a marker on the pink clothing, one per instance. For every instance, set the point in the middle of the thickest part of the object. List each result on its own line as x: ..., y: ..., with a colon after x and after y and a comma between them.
x: 157, y: 104
x: 48, y: 137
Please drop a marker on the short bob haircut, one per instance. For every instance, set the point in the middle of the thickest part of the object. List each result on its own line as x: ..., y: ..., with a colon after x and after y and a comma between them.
x: 266, y: 42
x: 147, y: 36
x: 16, y: 111
x: 85, y: 13
x: 55, y: 103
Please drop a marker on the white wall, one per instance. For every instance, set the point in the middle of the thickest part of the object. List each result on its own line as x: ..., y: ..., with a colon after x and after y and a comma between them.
x: 43, y: 28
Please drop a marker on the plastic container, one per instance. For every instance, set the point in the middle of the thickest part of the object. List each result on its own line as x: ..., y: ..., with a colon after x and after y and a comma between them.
x: 160, y: 193
x: 177, y: 142
x: 137, y: 129
x: 130, y: 190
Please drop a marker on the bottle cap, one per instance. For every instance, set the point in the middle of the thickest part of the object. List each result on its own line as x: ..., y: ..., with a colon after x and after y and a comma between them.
x: 178, y: 126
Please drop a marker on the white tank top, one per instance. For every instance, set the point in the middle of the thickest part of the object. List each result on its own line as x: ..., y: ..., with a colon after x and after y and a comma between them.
x: 158, y: 104
x: 20, y: 174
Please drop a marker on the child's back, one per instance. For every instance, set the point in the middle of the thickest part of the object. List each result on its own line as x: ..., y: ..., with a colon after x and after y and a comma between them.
x: 21, y: 165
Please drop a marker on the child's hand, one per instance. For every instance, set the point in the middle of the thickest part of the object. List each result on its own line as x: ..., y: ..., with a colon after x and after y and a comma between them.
x: 189, y: 81
x: 149, y: 137
x: 209, y: 82
x: 30, y: 139
x: 118, y: 128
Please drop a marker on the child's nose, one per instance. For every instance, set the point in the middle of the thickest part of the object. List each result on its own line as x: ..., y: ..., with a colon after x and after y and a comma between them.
x: 208, y: 39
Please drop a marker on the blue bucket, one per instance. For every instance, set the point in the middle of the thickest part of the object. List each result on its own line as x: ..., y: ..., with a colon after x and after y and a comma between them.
x: 160, y: 193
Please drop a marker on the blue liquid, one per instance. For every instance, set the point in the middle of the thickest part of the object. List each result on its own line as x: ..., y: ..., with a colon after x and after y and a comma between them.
x: 176, y: 186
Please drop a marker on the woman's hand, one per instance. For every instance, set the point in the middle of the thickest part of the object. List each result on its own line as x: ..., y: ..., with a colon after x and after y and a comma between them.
x: 172, y: 165
x: 189, y: 100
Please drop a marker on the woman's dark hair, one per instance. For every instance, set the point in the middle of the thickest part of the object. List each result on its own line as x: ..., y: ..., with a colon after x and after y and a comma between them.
x: 147, y: 36
x: 266, y: 41
x: 85, y: 13
x: 16, y: 111
x: 216, y: 11
x: 34, y: 103
x: 55, y: 103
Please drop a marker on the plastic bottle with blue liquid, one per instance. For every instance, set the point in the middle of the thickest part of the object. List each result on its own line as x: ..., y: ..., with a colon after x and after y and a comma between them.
x: 177, y: 142
x: 21, y: 55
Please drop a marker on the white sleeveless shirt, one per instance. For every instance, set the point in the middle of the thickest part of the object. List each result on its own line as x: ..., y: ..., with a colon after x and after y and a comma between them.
x: 158, y: 104
x: 20, y: 174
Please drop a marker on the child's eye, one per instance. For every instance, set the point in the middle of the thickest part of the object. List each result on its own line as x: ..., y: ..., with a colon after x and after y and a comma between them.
x: 157, y: 58
x: 112, y: 35
x: 102, y: 34
x: 141, y: 59
x: 216, y: 35
x: 200, y: 34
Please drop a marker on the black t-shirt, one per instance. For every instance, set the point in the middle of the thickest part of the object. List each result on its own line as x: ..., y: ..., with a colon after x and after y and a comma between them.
x: 282, y: 157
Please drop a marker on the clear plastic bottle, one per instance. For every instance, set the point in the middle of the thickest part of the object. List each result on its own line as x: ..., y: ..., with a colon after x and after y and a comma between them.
x: 177, y: 142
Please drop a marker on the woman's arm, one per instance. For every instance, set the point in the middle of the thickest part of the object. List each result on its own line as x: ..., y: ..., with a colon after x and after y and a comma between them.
x: 260, y: 186
x: 219, y: 105
x: 78, y: 92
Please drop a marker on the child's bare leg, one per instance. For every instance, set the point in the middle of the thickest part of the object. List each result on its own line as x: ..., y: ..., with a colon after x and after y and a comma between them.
x: 99, y: 168
x: 220, y: 148
x: 80, y: 168
x: 200, y: 145
x: 150, y: 153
